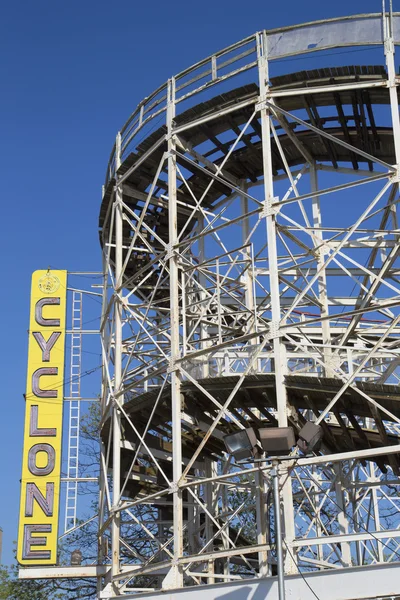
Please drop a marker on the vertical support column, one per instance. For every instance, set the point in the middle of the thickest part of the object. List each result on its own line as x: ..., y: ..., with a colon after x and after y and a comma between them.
x: 259, y: 481
x: 175, y: 577
x: 202, y: 295
x: 191, y: 528
x: 343, y: 520
x: 318, y: 528
x: 184, y: 320
x: 116, y: 418
x: 261, y: 507
x: 389, y: 49
x: 225, y: 543
x: 104, y: 394
x: 196, y: 513
x: 248, y: 276
x: 210, y: 471
x: 322, y: 284
x: 392, y: 83
x: 251, y: 305
x: 278, y: 530
x: 353, y: 496
x: 375, y: 508
x: 278, y: 345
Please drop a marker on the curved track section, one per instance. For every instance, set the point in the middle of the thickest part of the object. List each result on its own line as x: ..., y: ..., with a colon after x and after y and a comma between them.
x: 351, y: 118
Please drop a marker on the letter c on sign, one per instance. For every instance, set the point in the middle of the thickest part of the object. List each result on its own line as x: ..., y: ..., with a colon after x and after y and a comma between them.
x: 51, y: 459
x: 36, y: 389
x: 40, y: 320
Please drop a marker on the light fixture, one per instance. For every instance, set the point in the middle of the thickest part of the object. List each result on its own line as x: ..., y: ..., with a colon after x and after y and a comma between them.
x: 277, y: 440
x: 242, y: 444
x: 310, y: 437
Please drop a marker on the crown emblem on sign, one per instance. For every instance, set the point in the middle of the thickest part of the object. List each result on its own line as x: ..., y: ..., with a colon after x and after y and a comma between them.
x: 48, y: 284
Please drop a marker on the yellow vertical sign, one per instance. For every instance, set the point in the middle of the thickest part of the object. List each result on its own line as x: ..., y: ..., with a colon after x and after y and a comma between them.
x: 41, y: 466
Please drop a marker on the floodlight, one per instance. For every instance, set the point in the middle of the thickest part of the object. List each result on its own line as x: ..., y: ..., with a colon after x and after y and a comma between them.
x: 277, y: 440
x: 310, y: 437
x: 242, y: 444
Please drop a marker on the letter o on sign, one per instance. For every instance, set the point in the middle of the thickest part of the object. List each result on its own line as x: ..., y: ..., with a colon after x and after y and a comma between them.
x: 51, y: 459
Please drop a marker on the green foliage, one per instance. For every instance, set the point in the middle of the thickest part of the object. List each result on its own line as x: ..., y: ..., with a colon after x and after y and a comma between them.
x: 5, y: 583
x: 11, y: 588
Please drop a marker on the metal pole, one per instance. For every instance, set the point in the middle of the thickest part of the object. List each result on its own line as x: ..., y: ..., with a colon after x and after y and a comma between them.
x: 279, y: 349
x: 261, y: 503
x: 375, y: 509
x: 116, y: 450
x: 104, y: 392
x: 322, y: 280
x: 175, y: 578
x: 249, y: 287
x: 342, y: 517
x: 203, y: 298
x: 278, y: 530
x: 210, y: 471
x: 389, y: 49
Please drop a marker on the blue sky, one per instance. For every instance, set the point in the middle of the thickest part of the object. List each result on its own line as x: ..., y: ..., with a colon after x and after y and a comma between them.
x: 71, y: 73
